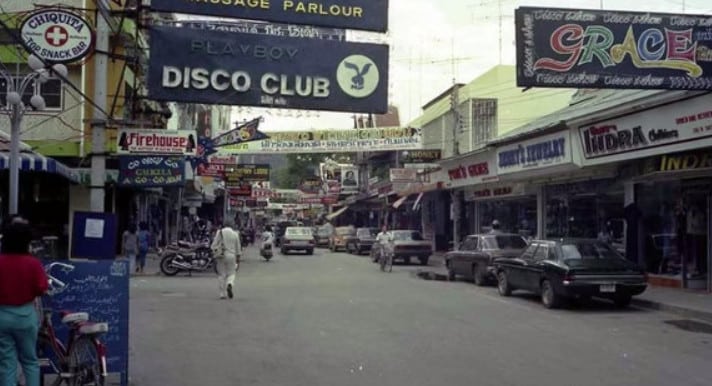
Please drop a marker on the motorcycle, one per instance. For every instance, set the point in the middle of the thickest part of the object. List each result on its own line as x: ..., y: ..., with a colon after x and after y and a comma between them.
x: 187, y: 257
x: 266, y: 251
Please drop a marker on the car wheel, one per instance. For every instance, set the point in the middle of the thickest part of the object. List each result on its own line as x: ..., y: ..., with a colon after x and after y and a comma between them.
x: 423, y: 261
x: 283, y: 251
x: 406, y: 260
x: 310, y: 251
x: 503, y: 286
x: 549, y: 297
x: 478, y: 276
x: 622, y: 301
x: 450, y: 273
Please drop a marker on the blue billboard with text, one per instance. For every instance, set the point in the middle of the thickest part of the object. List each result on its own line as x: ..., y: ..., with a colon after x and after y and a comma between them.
x: 609, y: 49
x: 215, y: 67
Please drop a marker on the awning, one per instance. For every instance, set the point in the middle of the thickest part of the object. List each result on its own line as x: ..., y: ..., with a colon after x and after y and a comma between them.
x: 336, y: 214
x: 38, y: 162
x: 399, y: 202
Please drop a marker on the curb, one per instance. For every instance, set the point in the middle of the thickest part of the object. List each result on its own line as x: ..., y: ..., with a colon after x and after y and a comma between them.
x: 430, y: 275
x: 677, y: 310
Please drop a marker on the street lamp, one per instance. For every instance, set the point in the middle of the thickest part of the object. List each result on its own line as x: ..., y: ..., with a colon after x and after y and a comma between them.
x: 16, y: 87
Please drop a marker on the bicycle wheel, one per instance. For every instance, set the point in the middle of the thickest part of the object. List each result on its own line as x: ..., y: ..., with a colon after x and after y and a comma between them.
x: 84, y: 362
x: 389, y: 263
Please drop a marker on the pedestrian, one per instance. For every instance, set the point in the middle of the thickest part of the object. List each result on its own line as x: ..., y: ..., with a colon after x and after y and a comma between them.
x: 496, y: 228
x: 129, y: 246
x: 22, y: 280
x: 144, y: 241
x: 227, y: 249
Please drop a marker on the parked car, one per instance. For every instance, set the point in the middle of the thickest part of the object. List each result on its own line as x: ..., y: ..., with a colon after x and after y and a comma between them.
x: 406, y: 244
x: 571, y: 268
x: 362, y: 241
x: 476, y: 256
x: 322, y: 236
x: 340, y: 236
x: 298, y: 239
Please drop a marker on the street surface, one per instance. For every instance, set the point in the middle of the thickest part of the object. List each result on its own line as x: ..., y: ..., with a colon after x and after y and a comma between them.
x: 335, y: 319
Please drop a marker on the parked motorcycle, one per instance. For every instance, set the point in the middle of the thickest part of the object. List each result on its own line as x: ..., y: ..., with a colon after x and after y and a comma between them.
x: 187, y: 257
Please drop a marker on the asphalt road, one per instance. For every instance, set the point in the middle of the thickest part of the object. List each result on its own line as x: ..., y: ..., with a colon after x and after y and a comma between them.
x: 335, y: 319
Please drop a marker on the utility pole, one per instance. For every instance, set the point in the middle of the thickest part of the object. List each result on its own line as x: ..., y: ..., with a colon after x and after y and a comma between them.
x: 99, y: 118
x: 454, y: 196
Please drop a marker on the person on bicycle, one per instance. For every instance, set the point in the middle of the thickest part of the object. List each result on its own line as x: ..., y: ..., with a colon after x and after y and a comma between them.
x: 381, y: 241
x: 22, y: 279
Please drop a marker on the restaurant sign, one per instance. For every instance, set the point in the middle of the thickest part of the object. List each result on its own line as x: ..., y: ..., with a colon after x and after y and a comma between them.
x: 214, y: 67
x: 546, y: 151
x: 155, y: 171
x: 675, y: 127
x: 137, y: 141
x: 332, y: 141
x: 608, y: 49
x: 57, y: 36
x: 368, y: 15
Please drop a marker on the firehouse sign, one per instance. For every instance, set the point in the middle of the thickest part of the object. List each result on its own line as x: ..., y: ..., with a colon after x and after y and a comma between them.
x: 216, y: 67
x: 57, y: 36
x: 132, y: 141
x: 368, y: 15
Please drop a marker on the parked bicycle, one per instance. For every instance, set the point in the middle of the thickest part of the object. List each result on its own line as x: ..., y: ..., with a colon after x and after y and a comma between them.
x: 82, y: 360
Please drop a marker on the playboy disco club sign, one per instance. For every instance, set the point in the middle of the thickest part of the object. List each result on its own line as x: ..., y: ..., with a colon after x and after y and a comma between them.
x: 57, y: 36
x: 605, y: 49
x: 214, y: 67
x: 369, y: 15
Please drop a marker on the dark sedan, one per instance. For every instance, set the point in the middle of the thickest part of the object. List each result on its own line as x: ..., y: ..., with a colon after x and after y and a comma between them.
x: 477, y: 254
x: 363, y: 241
x: 322, y: 236
x: 569, y: 269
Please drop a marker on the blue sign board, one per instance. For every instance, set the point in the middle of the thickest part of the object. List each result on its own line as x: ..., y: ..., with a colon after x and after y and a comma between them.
x: 215, y: 67
x: 100, y: 288
x: 607, y: 49
x: 151, y: 171
x: 94, y: 235
x: 369, y: 15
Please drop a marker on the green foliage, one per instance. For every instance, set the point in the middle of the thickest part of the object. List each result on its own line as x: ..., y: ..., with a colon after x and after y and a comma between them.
x: 301, y: 166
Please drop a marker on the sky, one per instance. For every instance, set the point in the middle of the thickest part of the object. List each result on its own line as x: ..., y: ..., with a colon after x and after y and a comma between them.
x: 433, y: 42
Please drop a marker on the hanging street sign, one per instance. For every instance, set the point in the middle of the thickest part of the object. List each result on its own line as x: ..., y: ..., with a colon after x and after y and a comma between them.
x: 137, y: 141
x: 368, y: 15
x: 225, y: 68
x: 57, y: 36
x: 575, y: 48
x: 147, y: 171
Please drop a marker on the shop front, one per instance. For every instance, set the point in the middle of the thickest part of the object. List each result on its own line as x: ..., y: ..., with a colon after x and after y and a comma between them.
x: 512, y: 205
x: 667, y: 196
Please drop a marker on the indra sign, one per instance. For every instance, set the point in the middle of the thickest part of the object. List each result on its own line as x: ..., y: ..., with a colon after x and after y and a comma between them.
x: 57, y: 36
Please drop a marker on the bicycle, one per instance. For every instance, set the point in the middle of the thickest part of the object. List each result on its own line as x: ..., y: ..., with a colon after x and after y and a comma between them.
x: 386, y: 261
x: 83, y: 360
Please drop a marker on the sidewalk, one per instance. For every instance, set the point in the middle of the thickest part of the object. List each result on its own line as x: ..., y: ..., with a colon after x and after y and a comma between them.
x: 688, y: 304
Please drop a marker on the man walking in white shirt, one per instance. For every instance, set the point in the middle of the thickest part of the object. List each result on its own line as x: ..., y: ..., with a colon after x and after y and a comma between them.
x: 227, y: 249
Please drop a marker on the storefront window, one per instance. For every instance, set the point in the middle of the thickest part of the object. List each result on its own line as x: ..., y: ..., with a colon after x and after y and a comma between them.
x: 515, y: 215
x: 592, y: 210
x: 674, y: 226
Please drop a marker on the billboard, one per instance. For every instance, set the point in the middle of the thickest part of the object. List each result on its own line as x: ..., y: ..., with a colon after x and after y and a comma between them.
x: 145, y: 172
x: 369, y: 15
x: 333, y: 141
x: 226, y: 68
x: 605, y: 49
x: 349, y: 179
x: 137, y: 141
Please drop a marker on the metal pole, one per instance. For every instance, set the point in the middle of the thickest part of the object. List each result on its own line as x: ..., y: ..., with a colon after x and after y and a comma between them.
x: 15, y: 121
x: 98, y: 157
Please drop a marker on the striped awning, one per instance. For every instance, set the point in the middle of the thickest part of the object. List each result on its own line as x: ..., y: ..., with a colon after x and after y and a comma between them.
x: 39, y: 163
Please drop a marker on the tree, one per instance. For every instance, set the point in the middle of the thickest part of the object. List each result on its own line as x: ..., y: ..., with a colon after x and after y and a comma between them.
x: 302, y: 166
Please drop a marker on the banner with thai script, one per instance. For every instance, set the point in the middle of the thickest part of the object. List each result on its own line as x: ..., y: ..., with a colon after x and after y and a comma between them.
x: 609, y: 49
x: 333, y: 141
x: 225, y: 68
x: 154, y: 171
x: 368, y: 15
x: 139, y: 141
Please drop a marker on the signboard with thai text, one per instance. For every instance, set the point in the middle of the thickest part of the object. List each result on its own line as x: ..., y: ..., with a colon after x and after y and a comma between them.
x: 138, y: 141
x: 332, y: 141
x: 609, y: 49
x: 369, y: 15
x: 156, y: 171
x: 680, y: 126
x: 545, y: 151
x: 262, y: 28
x: 214, y: 67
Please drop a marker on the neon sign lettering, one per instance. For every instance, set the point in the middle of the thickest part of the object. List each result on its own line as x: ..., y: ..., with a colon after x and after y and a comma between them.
x: 653, y: 48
